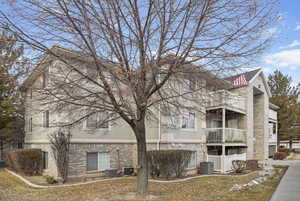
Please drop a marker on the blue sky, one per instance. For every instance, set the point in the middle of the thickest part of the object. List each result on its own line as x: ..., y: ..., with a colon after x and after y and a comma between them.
x: 284, y: 54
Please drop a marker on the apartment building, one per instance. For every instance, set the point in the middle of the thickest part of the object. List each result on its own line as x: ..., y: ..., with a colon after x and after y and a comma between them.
x: 232, y: 125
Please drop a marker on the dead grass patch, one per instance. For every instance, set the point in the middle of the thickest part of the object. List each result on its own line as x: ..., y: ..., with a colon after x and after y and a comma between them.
x: 294, y: 156
x: 204, y: 189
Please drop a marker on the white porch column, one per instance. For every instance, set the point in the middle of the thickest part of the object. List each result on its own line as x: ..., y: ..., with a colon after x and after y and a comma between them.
x: 276, y: 131
x: 223, y: 124
x: 223, y: 140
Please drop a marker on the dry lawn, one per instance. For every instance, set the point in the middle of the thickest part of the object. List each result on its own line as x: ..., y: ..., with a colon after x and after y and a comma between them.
x: 204, y: 189
x: 294, y: 156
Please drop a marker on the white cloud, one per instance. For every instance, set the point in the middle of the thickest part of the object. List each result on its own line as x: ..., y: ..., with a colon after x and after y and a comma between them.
x: 267, y: 69
x: 295, y: 43
x: 285, y: 58
x: 297, y: 28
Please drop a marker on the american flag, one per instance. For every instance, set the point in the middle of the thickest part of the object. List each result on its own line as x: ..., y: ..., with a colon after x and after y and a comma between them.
x: 240, y: 81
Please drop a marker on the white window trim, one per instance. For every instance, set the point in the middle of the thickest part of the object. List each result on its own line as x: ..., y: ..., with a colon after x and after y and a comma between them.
x: 98, y: 164
x: 188, y: 129
x: 44, y: 119
x: 30, y: 93
x: 97, y: 129
x: 195, y: 84
x: 181, y: 121
x: 29, y: 125
x: 46, y: 78
x: 47, y: 161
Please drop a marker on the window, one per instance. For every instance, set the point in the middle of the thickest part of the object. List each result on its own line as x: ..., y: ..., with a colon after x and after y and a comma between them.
x: 30, y: 93
x: 193, y: 161
x: 44, y: 80
x: 46, y: 119
x: 274, y: 129
x: 192, y: 83
x: 188, y: 121
x: 196, y: 83
x: 182, y: 121
x: 174, y: 122
x: 98, y: 161
x: 97, y: 120
x: 45, y: 160
x: 202, y: 83
x: 29, y: 124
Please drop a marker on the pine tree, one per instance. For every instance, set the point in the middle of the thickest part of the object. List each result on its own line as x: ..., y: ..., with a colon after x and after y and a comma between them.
x: 10, y: 53
x: 286, y: 96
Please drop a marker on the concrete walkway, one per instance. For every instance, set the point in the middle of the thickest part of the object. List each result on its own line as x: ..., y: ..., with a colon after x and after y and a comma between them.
x: 289, y: 187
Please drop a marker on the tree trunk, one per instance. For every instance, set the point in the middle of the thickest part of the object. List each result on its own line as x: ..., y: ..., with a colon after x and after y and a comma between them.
x: 291, y: 143
x: 142, y: 173
x: 1, y: 149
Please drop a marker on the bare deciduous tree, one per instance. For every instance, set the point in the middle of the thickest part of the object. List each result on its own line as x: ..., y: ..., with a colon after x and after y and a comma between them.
x: 60, y: 145
x: 136, y: 49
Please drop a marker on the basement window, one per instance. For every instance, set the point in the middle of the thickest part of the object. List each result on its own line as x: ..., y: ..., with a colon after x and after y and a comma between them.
x: 98, y: 161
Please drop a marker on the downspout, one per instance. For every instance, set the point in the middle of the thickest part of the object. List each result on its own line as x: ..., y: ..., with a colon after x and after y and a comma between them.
x: 159, y: 126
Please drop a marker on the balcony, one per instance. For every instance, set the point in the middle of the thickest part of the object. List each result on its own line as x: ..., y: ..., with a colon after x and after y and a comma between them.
x: 273, y: 138
x: 226, y: 135
x: 224, y: 98
x: 224, y: 163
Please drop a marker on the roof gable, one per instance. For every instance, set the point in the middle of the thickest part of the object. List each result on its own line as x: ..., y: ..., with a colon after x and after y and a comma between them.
x: 248, y: 75
x: 251, y: 76
x: 264, y: 82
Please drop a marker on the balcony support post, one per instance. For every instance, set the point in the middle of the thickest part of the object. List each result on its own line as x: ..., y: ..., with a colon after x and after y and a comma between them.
x: 223, y: 140
x: 223, y: 124
x: 223, y: 159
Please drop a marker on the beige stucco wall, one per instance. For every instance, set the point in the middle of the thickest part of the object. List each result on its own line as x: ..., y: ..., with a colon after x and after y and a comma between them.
x: 119, y: 135
x: 247, y: 121
x: 118, y: 130
x: 261, y: 132
x: 256, y: 118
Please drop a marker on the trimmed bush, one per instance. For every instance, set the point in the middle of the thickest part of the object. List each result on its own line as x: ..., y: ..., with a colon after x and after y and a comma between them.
x: 252, y: 164
x: 26, y: 161
x: 50, y: 179
x: 238, y: 166
x: 168, y: 163
x: 7, y: 159
x: 285, y: 150
x: 280, y: 155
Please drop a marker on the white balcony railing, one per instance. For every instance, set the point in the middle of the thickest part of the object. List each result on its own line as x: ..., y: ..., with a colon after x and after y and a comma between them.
x: 179, y: 136
x: 272, y: 114
x: 224, y: 163
x: 226, y: 135
x: 273, y: 138
x: 226, y: 98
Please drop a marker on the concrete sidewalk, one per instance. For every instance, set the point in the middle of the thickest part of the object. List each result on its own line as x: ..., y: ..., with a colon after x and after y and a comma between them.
x: 289, y: 187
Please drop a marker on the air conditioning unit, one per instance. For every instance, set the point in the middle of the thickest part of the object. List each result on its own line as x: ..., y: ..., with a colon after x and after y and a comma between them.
x: 128, y: 171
